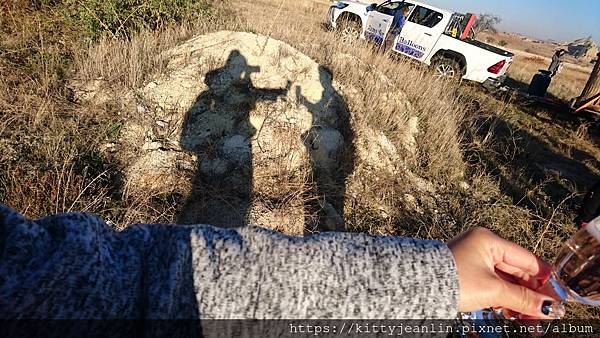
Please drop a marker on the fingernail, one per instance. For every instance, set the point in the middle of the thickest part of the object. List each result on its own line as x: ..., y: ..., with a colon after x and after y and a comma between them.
x: 553, y: 309
x: 546, y: 307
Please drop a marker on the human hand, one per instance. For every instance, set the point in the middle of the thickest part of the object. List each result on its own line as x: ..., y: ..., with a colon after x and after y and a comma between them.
x: 496, y: 273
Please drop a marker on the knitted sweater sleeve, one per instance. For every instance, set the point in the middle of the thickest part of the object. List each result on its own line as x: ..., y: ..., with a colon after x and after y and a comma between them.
x: 73, y: 266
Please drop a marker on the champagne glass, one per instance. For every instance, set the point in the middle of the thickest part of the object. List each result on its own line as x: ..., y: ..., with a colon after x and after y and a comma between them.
x: 575, y: 276
x: 576, y: 273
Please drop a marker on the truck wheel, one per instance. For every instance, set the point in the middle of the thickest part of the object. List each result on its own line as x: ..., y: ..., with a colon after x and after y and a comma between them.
x: 349, y: 31
x: 445, y: 68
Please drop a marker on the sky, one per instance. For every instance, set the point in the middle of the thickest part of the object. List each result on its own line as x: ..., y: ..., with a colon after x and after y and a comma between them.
x: 542, y: 19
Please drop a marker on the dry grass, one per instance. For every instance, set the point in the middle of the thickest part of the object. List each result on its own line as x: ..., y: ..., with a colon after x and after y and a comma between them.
x: 381, y: 89
x: 131, y: 63
x: 531, y: 56
x: 568, y: 84
x: 50, y: 158
x: 48, y: 162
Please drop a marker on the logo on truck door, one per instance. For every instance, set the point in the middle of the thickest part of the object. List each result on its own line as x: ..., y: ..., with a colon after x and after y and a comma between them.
x: 410, y: 48
x: 374, y: 35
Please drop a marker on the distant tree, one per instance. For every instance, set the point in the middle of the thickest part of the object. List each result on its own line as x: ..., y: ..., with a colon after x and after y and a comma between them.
x: 486, y: 22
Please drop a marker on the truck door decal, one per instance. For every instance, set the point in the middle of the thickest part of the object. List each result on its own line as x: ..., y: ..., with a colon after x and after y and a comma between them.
x: 374, y: 35
x: 410, y: 48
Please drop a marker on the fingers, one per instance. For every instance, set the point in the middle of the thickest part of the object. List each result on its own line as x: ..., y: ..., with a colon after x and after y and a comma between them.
x: 518, y: 276
x: 511, y: 272
x: 516, y: 256
x: 523, y: 300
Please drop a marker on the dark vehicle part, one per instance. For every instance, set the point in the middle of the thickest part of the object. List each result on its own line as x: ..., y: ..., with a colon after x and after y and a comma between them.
x: 493, y: 84
x: 488, y: 47
x: 539, y: 84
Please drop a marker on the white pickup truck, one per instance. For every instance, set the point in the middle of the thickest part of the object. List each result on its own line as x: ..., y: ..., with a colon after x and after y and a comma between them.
x: 436, y: 37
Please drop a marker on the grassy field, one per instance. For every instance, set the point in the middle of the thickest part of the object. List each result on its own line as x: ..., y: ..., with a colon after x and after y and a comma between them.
x: 568, y: 84
x: 516, y: 168
x: 531, y: 56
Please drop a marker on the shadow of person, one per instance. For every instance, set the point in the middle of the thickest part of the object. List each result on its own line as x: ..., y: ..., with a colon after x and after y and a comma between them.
x: 330, y: 144
x: 218, y: 131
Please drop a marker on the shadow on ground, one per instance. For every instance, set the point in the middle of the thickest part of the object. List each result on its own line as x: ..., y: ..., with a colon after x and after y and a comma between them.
x: 331, y: 153
x: 222, y: 187
x: 217, y: 129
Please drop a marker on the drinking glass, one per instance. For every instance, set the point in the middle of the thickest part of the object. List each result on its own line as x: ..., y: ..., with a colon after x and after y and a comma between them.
x: 576, y: 273
x: 575, y: 276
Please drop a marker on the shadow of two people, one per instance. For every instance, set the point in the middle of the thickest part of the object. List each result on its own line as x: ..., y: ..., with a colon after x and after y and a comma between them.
x: 217, y: 129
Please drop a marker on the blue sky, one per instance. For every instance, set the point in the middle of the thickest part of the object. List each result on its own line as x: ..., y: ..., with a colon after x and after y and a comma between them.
x: 543, y: 19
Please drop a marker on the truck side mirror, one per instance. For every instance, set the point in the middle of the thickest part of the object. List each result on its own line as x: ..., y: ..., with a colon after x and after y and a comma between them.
x: 371, y: 7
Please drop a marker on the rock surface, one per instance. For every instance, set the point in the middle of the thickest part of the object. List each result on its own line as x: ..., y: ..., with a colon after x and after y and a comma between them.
x: 249, y: 130
x: 585, y: 49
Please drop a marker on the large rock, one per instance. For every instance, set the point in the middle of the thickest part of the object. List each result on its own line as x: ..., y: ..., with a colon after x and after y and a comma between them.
x: 250, y: 130
x: 585, y: 49
x: 255, y: 113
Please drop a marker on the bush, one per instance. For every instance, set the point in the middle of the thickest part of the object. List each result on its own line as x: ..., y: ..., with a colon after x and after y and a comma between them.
x: 503, y: 43
x: 486, y: 22
x: 124, y: 17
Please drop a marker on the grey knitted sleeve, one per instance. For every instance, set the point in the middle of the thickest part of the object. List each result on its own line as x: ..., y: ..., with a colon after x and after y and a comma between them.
x: 74, y: 266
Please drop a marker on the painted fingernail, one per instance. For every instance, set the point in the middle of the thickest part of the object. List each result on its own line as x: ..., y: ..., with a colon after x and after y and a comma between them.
x: 553, y: 309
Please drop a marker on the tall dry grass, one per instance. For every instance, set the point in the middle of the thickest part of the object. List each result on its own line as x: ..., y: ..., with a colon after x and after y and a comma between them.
x: 130, y: 63
x: 568, y: 84
x: 48, y: 163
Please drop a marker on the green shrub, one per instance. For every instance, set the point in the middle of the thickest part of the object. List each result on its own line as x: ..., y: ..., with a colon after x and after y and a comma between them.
x: 124, y: 17
x: 503, y: 43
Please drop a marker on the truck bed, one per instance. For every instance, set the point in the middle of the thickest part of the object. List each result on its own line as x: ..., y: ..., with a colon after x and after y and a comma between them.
x: 489, y: 47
